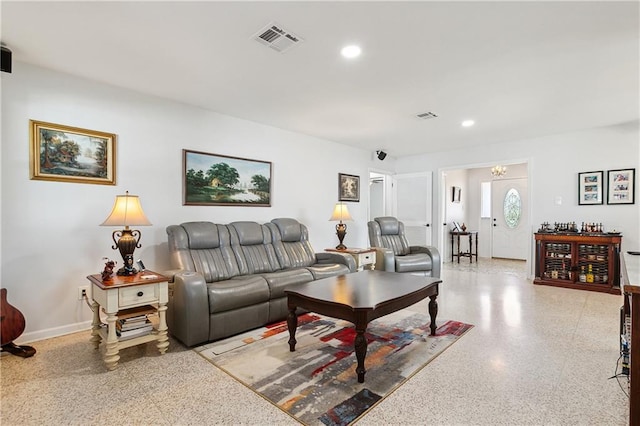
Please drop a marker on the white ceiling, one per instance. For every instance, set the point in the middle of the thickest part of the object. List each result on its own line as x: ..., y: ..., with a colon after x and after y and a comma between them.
x: 519, y: 69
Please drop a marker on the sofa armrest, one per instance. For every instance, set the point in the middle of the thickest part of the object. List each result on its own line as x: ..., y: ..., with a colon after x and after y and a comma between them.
x: 385, y: 259
x: 171, y: 273
x: 435, y: 257
x: 188, y: 308
x: 340, y: 258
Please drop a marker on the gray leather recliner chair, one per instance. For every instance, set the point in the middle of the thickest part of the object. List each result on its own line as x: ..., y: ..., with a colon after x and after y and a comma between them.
x: 393, y: 252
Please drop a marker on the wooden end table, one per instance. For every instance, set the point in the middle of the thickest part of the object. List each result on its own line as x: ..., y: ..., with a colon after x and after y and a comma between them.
x: 363, y: 257
x: 143, y: 293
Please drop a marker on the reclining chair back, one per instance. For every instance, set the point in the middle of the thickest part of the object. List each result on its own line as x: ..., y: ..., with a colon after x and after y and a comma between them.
x: 388, y: 232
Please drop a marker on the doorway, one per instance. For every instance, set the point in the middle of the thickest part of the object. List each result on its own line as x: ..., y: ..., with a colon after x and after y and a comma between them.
x: 378, y: 194
x: 470, y: 208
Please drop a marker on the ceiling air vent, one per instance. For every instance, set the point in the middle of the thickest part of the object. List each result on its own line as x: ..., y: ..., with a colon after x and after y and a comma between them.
x: 426, y: 115
x: 277, y: 38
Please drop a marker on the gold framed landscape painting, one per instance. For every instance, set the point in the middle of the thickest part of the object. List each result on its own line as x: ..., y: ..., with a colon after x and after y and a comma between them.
x: 71, y: 154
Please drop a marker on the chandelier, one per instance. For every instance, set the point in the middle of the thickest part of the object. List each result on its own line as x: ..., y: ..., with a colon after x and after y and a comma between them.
x: 498, y: 171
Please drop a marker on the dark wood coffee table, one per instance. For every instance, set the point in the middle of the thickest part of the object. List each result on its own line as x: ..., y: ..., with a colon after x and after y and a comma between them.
x: 360, y: 298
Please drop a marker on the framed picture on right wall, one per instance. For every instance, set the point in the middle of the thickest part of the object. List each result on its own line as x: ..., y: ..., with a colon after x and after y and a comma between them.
x: 621, y: 186
x: 590, y: 188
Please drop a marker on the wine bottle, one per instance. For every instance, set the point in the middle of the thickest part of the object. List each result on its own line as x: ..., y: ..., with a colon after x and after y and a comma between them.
x: 582, y: 277
x: 590, y: 277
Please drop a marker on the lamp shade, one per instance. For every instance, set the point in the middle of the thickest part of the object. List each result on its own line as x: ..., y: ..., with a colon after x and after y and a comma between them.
x: 340, y: 212
x: 127, y: 211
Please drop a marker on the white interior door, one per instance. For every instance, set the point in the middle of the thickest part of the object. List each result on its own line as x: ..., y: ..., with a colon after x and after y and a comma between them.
x: 412, y: 194
x: 510, y: 222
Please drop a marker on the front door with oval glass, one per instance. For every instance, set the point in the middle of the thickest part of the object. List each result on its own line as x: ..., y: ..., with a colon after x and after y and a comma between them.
x: 509, y: 222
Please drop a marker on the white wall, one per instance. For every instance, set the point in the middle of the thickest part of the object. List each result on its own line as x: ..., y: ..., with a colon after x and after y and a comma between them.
x: 51, y: 238
x: 554, y: 163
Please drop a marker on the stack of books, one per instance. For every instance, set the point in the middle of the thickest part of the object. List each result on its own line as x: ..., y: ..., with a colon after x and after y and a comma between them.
x: 134, y: 322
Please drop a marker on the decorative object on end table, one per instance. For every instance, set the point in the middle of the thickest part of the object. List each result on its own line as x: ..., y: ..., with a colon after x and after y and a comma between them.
x: 340, y: 213
x: 590, y: 188
x: 71, y: 154
x: 108, y: 269
x: 621, y: 184
x: 348, y: 187
x: 455, y: 194
x: 126, y: 212
x: 220, y: 180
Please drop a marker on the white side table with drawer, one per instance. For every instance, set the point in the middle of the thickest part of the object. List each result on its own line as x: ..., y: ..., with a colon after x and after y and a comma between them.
x: 143, y: 293
x: 363, y: 257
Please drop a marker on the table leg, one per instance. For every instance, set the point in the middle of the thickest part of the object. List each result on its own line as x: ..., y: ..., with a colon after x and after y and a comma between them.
x: 433, y: 312
x: 470, y: 248
x: 452, y: 248
x: 476, y: 247
x: 458, y: 247
x: 361, y: 352
x: 292, y: 323
x: 111, y: 356
x: 95, y: 325
x: 163, y: 338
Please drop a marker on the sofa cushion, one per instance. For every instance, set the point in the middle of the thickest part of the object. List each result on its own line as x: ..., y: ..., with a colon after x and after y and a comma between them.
x: 204, y: 235
x: 253, y: 247
x: 279, y: 280
x: 205, y: 247
x: 413, y: 262
x: 291, y: 243
x: 237, y: 292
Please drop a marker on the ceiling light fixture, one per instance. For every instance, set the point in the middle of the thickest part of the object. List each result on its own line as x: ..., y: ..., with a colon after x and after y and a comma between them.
x: 498, y: 171
x: 351, y: 51
x: 468, y: 123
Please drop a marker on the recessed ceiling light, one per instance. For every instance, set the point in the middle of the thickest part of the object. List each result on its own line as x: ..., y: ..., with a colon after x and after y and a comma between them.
x: 468, y: 123
x: 351, y: 51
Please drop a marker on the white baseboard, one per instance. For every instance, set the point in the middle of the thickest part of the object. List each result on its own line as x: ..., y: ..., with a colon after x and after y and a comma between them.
x: 52, y: 332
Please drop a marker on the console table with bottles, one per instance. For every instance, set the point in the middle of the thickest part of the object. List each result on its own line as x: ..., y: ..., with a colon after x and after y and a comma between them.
x: 584, y: 261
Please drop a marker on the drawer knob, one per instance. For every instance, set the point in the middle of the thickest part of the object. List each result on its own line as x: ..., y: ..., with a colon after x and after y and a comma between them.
x: 140, y: 294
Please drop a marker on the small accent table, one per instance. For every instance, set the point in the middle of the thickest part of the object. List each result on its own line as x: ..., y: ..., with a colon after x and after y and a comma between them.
x: 470, y: 254
x: 363, y: 257
x: 145, y: 293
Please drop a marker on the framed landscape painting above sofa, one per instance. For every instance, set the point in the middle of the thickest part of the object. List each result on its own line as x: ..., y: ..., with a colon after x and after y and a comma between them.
x: 221, y: 180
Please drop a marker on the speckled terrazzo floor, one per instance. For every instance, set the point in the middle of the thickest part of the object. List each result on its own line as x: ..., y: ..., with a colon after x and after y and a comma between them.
x: 537, y: 355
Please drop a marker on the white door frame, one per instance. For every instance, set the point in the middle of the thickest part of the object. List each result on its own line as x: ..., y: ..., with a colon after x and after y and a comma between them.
x: 441, y: 195
x: 388, y: 184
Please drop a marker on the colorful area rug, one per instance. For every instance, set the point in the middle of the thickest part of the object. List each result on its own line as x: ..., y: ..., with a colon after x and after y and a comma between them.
x: 317, y: 384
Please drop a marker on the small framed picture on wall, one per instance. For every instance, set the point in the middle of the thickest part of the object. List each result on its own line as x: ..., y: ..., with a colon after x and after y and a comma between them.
x: 621, y: 186
x: 348, y: 187
x: 455, y: 194
x: 590, y: 186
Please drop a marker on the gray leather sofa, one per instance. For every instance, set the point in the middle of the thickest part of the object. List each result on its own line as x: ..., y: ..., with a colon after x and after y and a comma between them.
x: 231, y: 278
x: 393, y: 252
